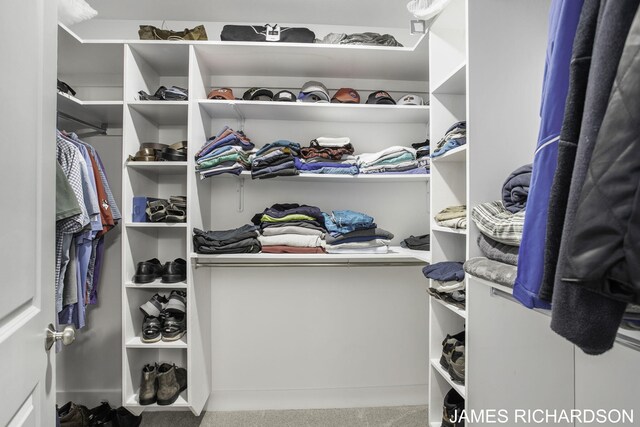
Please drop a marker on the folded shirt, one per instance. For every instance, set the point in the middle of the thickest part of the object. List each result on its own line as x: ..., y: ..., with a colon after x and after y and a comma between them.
x: 360, y: 235
x: 324, y: 141
x: 250, y: 246
x: 233, y: 168
x: 283, y: 249
x: 444, y: 271
x: 227, y: 149
x: 326, y: 152
x: 286, y: 218
x: 451, y: 212
x: 371, y: 250
x: 292, y: 229
x: 351, y: 170
x: 386, y: 168
x: 280, y: 210
x: 234, y: 157
x: 365, y: 159
x: 229, y: 236
x: 199, y: 242
x: 277, y: 156
x: 286, y: 168
x: 226, y: 137
x: 457, y: 223
x: 498, y: 251
x: 360, y: 245
x: 495, y: 221
x: 448, y: 286
x: 291, y: 240
x: 282, y: 143
x: 417, y: 243
x: 311, y: 224
x: 413, y: 171
x: 305, y: 166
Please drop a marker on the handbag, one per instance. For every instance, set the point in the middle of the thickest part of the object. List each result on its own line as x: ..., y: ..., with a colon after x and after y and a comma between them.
x: 267, y: 33
x: 149, y: 32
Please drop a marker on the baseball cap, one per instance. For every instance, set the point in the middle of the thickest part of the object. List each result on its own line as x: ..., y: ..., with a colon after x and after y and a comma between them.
x: 411, y: 99
x: 258, y: 93
x: 380, y: 97
x: 313, y: 91
x: 346, y: 95
x: 221, y: 93
x: 285, y: 96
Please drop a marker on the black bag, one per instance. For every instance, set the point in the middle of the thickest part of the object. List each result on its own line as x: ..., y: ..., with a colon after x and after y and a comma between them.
x: 267, y: 33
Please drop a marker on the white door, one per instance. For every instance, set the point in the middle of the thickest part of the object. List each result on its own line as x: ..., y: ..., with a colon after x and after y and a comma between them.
x: 27, y: 210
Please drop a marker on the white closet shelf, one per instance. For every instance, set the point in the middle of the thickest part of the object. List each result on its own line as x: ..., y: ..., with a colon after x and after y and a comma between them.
x: 317, y: 60
x: 162, y: 113
x: 136, y: 342
x: 460, y: 388
x: 96, y: 112
x: 454, y: 84
x: 435, y: 227
x: 159, y: 167
x: 156, y: 224
x: 157, y: 284
x: 396, y: 255
x: 317, y: 112
x: 181, y: 402
x: 491, y: 284
x: 460, y: 312
x: 314, y: 177
x: 452, y: 156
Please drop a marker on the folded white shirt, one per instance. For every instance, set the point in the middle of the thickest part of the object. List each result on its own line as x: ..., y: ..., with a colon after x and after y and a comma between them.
x: 325, y: 141
x: 336, y: 249
x: 368, y: 158
x: 297, y: 240
x: 448, y: 287
x: 358, y: 245
x: 291, y: 229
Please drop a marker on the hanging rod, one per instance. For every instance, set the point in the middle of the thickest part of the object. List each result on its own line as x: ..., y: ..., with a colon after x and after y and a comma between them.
x: 307, y: 264
x: 101, y: 130
x: 622, y: 339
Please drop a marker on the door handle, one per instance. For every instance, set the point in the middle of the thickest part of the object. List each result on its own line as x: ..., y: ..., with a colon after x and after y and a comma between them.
x: 67, y: 336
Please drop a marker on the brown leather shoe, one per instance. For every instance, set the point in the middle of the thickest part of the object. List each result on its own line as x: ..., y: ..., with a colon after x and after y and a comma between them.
x: 148, y: 385
x: 171, y: 382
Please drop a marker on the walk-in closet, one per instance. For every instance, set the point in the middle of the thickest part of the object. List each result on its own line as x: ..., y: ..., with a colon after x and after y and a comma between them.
x: 369, y: 213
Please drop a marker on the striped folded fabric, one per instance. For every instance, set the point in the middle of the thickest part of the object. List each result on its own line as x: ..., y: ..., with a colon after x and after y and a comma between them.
x: 495, y: 221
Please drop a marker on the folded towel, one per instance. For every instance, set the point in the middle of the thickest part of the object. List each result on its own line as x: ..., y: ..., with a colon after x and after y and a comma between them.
x: 515, y: 189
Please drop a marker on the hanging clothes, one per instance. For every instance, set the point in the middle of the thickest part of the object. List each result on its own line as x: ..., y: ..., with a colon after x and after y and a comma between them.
x: 590, y: 319
x: 79, y: 236
x: 563, y: 22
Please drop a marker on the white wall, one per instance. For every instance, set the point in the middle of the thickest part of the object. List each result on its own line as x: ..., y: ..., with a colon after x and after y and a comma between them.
x: 89, y: 370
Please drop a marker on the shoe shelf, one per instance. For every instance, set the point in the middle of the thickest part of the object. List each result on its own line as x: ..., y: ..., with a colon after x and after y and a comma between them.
x: 460, y: 388
x: 311, y: 177
x: 156, y: 225
x: 441, y: 229
x: 162, y: 113
x: 320, y: 112
x: 453, y: 84
x: 136, y: 342
x: 452, y: 156
x: 132, y: 402
x: 157, y: 284
x: 396, y: 255
x: 460, y: 312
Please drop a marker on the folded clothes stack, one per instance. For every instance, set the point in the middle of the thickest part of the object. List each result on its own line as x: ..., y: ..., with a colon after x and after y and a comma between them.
x: 454, y: 137
x: 452, y: 217
x: 423, y: 150
x: 417, y: 243
x: 275, y: 159
x: 243, y: 240
x: 291, y: 228
x: 352, y: 232
x: 327, y: 156
x: 501, y: 222
x: 447, y: 281
x: 392, y: 160
x: 227, y: 152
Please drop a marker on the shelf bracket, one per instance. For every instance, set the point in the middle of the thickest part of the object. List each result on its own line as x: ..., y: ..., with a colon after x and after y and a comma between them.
x: 239, y: 117
x: 240, y: 194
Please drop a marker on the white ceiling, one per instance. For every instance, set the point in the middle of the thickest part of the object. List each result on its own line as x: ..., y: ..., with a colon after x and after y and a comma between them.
x: 370, y: 13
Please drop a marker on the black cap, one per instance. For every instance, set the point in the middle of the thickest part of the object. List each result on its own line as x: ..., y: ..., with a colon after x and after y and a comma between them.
x: 285, y: 96
x: 258, y: 93
x: 380, y: 97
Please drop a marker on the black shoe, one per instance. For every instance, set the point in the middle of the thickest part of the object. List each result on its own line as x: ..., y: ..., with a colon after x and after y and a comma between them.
x: 148, y: 271
x: 124, y: 418
x: 151, y: 329
x: 452, y: 410
x: 174, y: 271
x: 174, y: 326
x: 101, y: 415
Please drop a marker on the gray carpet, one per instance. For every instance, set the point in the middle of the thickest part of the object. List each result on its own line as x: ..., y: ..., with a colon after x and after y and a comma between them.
x: 396, y: 416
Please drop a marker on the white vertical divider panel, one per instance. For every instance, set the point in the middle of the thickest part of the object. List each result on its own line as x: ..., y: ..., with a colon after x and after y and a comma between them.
x: 514, y: 361
x: 198, y: 297
x: 449, y: 176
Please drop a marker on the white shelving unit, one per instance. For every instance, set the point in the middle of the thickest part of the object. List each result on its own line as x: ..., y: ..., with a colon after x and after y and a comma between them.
x: 312, y: 177
x: 449, y: 176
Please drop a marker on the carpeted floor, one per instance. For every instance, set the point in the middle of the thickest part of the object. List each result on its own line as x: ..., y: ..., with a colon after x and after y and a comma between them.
x: 396, y: 416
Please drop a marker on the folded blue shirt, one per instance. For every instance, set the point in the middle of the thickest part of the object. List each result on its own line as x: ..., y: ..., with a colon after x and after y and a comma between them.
x: 280, y: 143
x: 444, y: 271
x: 304, y: 166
